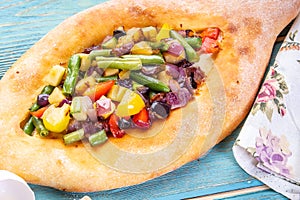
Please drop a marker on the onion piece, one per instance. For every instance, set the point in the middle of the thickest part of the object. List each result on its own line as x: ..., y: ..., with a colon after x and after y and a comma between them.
x: 178, y: 99
x: 105, y: 107
x: 79, y: 107
x: 174, y: 86
x: 124, y: 49
x: 199, y: 76
x: 92, y: 114
x: 188, y: 85
x: 89, y: 128
x: 175, y: 48
x: 172, y: 70
x: 152, y: 70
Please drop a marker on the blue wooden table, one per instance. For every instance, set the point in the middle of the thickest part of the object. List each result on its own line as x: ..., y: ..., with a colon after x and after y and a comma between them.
x: 215, y: 176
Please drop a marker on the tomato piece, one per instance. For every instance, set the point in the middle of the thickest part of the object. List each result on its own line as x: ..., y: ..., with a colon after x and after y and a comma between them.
x: 39, y: 113
x: 142, y: 119
x: 209, y: 45
x: 103, y: 88
x: 114, y: 128
x: 99, y: 90
x: 212, y: 33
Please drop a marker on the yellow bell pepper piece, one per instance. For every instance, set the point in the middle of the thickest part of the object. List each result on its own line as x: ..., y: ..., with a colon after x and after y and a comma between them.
x: 142, y: 48
x: 131, y: 104
x: 163, y: 33
x: 56, y: 119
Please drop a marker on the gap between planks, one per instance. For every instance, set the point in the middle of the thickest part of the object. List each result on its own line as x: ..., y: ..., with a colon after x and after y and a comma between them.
x: 232, y: 193
x: 280, y: 38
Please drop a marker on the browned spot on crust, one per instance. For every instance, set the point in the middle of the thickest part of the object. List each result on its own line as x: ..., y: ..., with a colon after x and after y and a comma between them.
x: 136, y: 10
x: 250, y: 29
x: 232, y: 28
x: 139, y: 11
x: 244, y: 50
x: 253, y: 25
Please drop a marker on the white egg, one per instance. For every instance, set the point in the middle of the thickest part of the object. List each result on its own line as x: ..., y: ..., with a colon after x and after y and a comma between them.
x: 13, y: 187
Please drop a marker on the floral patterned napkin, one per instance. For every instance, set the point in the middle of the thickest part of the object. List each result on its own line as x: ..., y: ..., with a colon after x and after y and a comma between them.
x: 268, y: 146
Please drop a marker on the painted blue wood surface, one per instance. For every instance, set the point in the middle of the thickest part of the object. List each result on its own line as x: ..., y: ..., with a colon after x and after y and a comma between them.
x: 22, y: 23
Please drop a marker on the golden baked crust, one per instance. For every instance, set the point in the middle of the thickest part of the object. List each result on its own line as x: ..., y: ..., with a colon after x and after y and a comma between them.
x: 249, y: 31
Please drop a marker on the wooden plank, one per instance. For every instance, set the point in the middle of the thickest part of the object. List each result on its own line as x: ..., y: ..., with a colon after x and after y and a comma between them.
x: 233, y: 193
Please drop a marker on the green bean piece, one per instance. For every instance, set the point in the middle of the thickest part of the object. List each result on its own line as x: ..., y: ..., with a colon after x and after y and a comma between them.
x: 29, y: 127
x: 136, y: 85
x: 150, y: 82
x: 102, y: 52
x: 74, y: 136
x: 72, y: 74
x: 46, y: 90
x: 194, y: 42
x: 102, y: 58
x: 152, y: 94
x: 98, y: 138
x: 128, y: 65
x: 147, y: 59
x: 119, y: 63
x: 192, y: 55
x: 40, y: 128
x: 106, y: 78
x: 34, y: 107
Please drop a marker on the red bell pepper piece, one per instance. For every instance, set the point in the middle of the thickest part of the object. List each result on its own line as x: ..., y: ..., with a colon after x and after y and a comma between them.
x: 212, y: 33
x: 114, y: 128
x: 209, y: 45
x: 210, y: 40
x: 39, y: 113
x: 103, y: 88
x: 141, y: 119
x: 100, y: 89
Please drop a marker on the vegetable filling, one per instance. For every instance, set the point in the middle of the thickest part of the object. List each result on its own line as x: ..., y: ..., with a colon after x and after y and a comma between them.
x: 131, y: 79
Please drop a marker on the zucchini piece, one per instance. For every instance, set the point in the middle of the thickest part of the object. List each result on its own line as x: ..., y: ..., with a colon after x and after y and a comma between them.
x: 55, y: 75
x: 56, y: 96
x: 110, y: 44
x: 150, y: 33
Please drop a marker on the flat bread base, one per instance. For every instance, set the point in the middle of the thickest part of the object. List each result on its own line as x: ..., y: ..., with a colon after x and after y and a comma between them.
x: 249, y: 31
